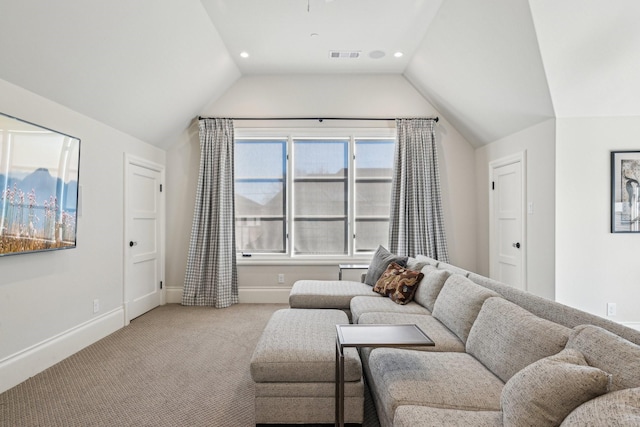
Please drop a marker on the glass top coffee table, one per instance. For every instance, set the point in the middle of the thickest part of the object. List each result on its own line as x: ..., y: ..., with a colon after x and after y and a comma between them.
x: 371, y: 336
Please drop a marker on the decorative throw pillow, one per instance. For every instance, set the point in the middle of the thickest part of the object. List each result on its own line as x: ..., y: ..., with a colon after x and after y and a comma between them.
x: 379, y: 263
x: 405, y: 285
x: 545, y: 392
x: 398, y: 283
x: 385, y: 283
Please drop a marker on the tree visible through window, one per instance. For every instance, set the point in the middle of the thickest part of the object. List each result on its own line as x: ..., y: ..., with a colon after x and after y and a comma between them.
x: 312, y: 196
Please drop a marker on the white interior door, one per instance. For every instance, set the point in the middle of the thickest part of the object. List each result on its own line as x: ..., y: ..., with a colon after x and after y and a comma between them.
x: 507, y: 222
x: 143, y: 237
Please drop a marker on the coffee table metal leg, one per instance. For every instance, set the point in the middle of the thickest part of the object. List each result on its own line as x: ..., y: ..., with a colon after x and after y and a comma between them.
x: 339, y: 385
x: 337, y: 391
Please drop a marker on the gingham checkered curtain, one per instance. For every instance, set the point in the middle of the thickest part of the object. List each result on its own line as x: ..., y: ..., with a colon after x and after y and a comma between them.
x: 416, y: 224
x: 211, y: 278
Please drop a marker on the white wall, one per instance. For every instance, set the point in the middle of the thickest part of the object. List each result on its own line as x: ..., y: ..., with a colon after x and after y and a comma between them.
x: 539, y: 143
x: 594, y: 266
x: 317, y: 96
x: 46, y: 299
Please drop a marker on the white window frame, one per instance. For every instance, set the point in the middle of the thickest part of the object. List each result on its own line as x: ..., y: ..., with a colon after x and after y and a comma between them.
x: 289, y: 134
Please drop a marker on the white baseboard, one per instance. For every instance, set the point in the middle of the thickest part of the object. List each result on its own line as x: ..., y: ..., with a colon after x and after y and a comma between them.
x: 23, y: 365
x: 264, y: 295
x: 246, y: 295
x: 173, y: 295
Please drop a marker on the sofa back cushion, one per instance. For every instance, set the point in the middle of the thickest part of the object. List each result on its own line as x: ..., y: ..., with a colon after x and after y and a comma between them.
x: 545, y: 392
x: 506, y: 338
x: 609, y: 352
x: 554, y: 311
x: 430, y: 286
x: 618, y: 408
x: 453, y: 269
x: 459, y: 303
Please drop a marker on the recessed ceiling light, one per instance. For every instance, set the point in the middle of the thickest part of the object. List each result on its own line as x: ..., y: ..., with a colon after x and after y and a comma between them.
x: 244, y: 54
x: 398, y: 54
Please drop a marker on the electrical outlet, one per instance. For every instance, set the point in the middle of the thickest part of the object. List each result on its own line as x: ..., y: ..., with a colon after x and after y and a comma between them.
x: 280, y: 278
x: 96, y: 305
x: 611, y: 309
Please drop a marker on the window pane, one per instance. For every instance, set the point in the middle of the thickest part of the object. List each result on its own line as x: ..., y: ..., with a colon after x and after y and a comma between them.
x: 374, y: 158
x: 260, y: 158
x: 320, y: 158
x: 320, y: 190
x: 373, y: 198
x: 370, y: 234
x: 260, y: 235
x: 374, y: 172
x: 320, y: 198
x: 260, y: 196
x: 320, y: 237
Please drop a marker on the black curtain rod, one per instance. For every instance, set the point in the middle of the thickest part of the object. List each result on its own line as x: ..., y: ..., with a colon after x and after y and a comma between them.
x: 320, y: 119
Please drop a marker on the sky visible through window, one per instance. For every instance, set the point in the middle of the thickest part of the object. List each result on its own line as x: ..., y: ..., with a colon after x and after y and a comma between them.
x: 264, y: 161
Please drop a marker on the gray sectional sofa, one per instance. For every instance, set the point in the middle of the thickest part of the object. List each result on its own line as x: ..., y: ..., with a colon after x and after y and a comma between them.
x: 501, y: 356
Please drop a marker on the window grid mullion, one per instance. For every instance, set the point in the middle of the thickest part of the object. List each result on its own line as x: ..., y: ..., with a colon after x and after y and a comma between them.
x: 290, y: 234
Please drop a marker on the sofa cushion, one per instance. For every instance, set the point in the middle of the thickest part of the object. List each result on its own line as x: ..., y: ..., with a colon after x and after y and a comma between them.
x: 506, y: 337
x: 609, y: 352
x: 618, y: 408
x: 424, y: 416
x: 444, y: 339
x: 442, y: 380
x: 545, y: 392
x: 379, y: 263
x: 459, y: 303
x: 418, y: 263
x: 453, y: 269
x: 327, y: 293
x: 360, y: 305
x: 430, y: 286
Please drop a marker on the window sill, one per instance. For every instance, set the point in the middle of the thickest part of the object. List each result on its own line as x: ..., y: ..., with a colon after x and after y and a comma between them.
x: 257, y: 261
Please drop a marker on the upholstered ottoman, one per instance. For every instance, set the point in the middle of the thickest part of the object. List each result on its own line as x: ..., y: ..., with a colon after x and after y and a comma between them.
x: 293, y: 367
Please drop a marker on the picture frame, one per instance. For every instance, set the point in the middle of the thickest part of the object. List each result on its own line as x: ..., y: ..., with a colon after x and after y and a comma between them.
x: 39, y: 173
x: 625, y: 192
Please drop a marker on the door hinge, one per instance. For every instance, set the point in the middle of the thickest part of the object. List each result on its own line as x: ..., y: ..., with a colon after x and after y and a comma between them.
x: 161, y: 284
x: 493, y: 185
x: 161, y: 188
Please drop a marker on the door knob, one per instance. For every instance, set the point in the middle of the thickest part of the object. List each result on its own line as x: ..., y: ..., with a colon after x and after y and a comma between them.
x: 516, y: 245
x: 132, y: 243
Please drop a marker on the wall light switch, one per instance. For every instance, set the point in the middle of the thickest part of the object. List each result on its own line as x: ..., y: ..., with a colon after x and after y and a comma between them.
x: 611, y: 309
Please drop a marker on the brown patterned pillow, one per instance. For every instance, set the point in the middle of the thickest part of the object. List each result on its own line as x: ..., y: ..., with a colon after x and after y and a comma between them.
x: 398, y: 283
x: 405, y: 286
x: 384, y: 285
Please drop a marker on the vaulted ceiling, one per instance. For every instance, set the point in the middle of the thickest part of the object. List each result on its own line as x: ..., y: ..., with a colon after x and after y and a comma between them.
x: 491, y: 67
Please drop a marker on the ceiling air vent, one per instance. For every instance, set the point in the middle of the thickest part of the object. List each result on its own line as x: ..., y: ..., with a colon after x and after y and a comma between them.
x: 340, y: 54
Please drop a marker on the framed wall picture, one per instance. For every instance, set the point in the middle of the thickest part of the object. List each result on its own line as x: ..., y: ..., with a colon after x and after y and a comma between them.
x: 625, y: 197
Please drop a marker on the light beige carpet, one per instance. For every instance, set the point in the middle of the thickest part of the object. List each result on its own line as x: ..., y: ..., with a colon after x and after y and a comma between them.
x: 174, y: 366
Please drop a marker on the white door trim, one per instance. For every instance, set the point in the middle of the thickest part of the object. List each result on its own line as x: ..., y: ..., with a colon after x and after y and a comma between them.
x: 520, y: 157
x: 130, y: 160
